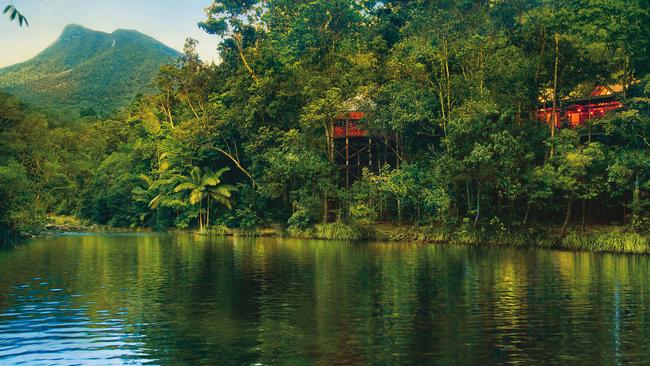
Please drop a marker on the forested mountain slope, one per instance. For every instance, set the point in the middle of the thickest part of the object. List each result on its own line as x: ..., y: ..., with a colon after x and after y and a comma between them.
x: 87, y: 69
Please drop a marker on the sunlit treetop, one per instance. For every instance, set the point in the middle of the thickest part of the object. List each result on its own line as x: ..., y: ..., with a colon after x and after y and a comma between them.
x: 230, y: 16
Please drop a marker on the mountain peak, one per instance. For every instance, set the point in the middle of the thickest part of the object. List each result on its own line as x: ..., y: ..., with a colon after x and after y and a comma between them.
x: 74, y: 26
x: 131, y: 34
x: 76, y: 29
x: 88, y: 68
x: 72, y: 31
x: 128, y: 31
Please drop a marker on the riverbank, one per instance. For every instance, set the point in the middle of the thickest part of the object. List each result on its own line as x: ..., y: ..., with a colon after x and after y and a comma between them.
x: 55, y: 225
x: 600, y: 239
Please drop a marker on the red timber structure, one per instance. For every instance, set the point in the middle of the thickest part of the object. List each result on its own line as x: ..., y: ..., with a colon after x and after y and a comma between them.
x: 576, y: 112
x: 355, y: 148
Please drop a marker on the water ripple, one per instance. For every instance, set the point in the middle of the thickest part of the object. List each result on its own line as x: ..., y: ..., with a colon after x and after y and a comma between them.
x: 163, y: 299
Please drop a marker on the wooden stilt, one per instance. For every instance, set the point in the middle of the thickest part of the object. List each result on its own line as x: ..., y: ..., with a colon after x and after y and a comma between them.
x: 370, y: 152
x: 347, y: 154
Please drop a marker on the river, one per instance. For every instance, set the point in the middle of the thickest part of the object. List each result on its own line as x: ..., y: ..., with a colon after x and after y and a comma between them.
x: 182, y: 299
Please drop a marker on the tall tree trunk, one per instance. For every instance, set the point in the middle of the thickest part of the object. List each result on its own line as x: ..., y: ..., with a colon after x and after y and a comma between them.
x: 240, y: 47
x: 237, y: 162
x: 541, y: 55
x: 636, y: 206
x: 448, y: 77
x: 207, y: 217
x: 526, y: 215
x: 399, y: 211
x: 198, y: 219
x: 442, y: 110
x: 329, y: 138
x: 584, y: 215
x: 285, y: 195
x: 478, y: 203
x: 567, y: 218
x: 554, y: 117
x: 200, y: 216
x: 469, y: 198
x: 626, y: 76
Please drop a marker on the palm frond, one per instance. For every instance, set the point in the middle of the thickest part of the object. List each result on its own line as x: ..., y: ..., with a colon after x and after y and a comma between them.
x: 173, y: 203
x: 223, y: 190
x: 220, y: 172
x: 139, y: 194
x: 196, y: 196
x: 184, y: 187
x: 210, y: 181
x: 223, y: 200
x: 195, y: 175
x: 155, y: 202
x: 146, y: 179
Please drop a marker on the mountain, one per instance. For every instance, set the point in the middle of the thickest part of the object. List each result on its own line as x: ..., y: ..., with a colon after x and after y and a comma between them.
x: 85, y: 69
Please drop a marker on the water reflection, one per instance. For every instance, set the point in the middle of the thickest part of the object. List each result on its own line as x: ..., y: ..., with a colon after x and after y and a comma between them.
x: 181, y: 299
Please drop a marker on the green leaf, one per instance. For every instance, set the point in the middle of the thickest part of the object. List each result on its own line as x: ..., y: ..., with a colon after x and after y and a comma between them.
x: 146, y: 179
x: 210, y: 181
x: 225, y: 191
x: 196, y: 196
x: 155, y: 202
x: 184, y: 187
x: 220, y: 172
x: 224, y: 201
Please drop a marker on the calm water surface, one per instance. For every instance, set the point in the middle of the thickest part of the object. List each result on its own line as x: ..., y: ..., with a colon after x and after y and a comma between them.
x: 180, y: 299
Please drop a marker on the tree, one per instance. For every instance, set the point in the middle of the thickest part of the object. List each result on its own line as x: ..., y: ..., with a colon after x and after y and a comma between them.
x: 204, y: 187
x: 628, y: 163
x: 17, y: 212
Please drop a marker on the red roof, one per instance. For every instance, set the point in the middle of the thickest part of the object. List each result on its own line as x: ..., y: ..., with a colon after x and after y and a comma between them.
x: 582, y: 110
x: 353, y: 130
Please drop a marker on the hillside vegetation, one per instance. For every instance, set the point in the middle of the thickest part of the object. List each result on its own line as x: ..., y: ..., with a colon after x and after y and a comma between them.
x: 88, y: 70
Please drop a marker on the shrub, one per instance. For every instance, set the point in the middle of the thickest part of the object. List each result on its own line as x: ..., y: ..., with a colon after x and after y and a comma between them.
x: 342, y: 231
x: 218, y: 230
x: 334, y: 231
x: 300, y: 220
x: 363, y: 214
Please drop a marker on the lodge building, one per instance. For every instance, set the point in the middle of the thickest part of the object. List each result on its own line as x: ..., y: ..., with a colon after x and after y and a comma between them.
x: 356, y: 148
x: 576, y: 112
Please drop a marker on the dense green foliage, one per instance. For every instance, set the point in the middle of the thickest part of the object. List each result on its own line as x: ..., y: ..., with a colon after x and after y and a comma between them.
x: 88, y: 71
x: 454, y: 81
x: 44, y: 162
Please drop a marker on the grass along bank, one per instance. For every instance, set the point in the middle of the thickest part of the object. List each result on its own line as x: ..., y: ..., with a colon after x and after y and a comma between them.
x: 603, y: 239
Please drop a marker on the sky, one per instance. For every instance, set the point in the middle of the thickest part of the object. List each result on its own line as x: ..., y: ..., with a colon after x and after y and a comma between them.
x: 169, y: 21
